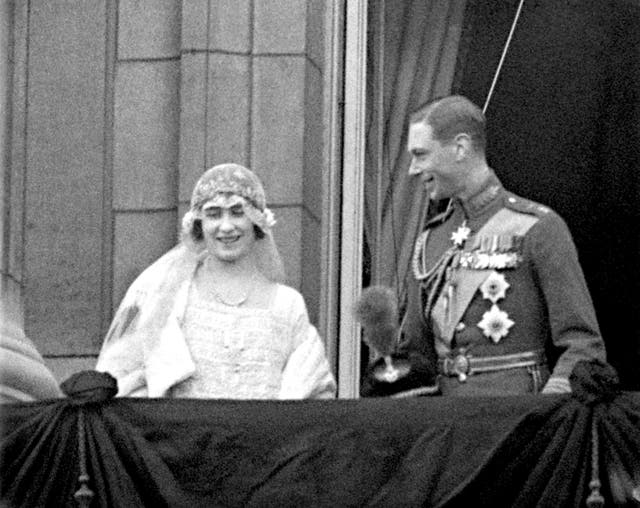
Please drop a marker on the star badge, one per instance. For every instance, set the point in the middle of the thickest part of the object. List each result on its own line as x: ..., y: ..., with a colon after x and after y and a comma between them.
x: 495, y: 324
x: 494, y: 287
x: 460, y: 235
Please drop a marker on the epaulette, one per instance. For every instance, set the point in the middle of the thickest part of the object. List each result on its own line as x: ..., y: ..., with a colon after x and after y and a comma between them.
x: 523, y: 205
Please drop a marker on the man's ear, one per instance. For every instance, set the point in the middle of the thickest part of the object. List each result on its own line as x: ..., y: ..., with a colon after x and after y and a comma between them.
x: 463, y: 146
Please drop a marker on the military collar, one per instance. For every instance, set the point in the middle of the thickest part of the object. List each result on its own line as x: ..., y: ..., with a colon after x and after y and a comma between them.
x: 486, y: 195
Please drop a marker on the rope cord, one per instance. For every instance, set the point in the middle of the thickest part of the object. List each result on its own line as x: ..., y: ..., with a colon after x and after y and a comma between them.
x: 502, y: 58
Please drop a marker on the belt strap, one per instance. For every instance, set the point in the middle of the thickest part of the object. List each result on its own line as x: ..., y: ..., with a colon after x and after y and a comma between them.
x: 462, y: 364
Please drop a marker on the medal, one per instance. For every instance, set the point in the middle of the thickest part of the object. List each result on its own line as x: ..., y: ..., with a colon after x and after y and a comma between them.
x: 460, y: 235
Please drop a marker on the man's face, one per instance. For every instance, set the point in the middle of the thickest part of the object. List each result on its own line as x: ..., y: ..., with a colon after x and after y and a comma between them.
x: 434, y: 162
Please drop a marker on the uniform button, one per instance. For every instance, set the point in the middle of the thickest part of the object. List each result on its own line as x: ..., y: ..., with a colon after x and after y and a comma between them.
x: 512, y: 200
x: 460, y: 326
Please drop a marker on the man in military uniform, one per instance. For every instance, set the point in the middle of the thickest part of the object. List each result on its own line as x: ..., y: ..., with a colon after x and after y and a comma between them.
x: 497, y: 298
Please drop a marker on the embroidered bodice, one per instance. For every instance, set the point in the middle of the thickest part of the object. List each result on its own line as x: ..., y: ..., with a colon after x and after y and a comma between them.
x: 239, y: 352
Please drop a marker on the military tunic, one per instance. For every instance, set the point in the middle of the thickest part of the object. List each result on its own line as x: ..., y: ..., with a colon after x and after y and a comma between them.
x: 499, y: 275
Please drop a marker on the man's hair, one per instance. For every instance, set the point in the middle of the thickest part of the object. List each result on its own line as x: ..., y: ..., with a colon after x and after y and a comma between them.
x: 450, y: 116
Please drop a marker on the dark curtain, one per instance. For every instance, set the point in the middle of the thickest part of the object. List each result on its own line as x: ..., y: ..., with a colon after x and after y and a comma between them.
x: 564, y: 129
x: 189, y: 453
x: 499, y: 452
x: 412, y: 49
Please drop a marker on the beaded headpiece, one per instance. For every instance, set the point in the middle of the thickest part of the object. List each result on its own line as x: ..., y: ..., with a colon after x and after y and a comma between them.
x: 228, y: 179
x: 225, y: 180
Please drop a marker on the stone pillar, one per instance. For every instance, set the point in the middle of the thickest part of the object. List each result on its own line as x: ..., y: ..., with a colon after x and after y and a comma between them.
x: 146, y: 133
x: 11, y: 308
x: 23, y: 374
x: 287, y: 136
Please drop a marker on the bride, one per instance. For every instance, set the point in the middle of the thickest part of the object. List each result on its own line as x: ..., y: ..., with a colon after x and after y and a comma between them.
x: 211, y: 318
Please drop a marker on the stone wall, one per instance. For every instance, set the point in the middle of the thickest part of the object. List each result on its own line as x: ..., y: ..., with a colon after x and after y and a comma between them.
x: 118, y: 107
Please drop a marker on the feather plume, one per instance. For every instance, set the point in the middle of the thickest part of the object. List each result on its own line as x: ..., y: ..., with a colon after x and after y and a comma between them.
x: 377, y: 312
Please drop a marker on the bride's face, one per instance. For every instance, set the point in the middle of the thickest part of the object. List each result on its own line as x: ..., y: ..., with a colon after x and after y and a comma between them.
x: 228, y: 232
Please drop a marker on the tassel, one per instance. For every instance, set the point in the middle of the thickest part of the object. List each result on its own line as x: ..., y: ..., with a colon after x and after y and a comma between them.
x: 84, y: 495
x: 595, y: 499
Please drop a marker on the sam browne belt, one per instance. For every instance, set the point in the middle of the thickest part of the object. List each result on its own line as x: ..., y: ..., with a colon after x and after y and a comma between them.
x: 462, y: 364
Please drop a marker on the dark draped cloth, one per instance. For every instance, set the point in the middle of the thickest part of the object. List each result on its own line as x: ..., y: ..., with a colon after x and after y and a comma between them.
x: 510, y: 451
x: 552, y: 458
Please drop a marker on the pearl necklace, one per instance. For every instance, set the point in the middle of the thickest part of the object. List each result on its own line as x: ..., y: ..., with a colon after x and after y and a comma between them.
x: 236, y: 303
x: 220, y: 299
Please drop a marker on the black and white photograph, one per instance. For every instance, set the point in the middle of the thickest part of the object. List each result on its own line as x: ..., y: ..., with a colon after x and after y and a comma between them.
x: 319, y: 253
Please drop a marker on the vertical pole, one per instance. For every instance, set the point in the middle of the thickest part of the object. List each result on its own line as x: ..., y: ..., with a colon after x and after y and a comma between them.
x: 333, y: 96
x: 352, y: 204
